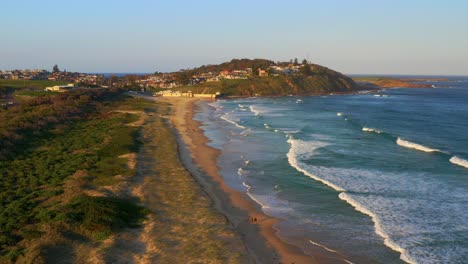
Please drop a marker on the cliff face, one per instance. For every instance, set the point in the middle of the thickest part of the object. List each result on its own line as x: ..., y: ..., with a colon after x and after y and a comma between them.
x: 319, y: 80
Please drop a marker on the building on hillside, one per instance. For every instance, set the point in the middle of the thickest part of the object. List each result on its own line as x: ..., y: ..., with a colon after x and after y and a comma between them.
x: 60, y: 88
x: 170, y: 93
x: 262, y: 73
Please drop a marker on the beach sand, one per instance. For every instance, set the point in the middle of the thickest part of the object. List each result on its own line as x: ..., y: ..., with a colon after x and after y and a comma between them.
x: 260, y: 238
x: 182, y: 226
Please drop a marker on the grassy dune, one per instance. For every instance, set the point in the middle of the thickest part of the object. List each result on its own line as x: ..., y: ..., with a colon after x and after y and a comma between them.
x: 184, y: 227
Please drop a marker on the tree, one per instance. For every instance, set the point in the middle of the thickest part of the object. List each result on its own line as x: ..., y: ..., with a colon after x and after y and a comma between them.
x: 55, y: 69
x: 112, y: 80
x: 306, y: 70
x: 255, y: 69
x: 184, y: 77
x: 296, y: 62
x: 304, y: 62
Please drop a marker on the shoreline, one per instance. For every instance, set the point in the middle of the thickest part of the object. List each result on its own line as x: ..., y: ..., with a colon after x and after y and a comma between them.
x: 260, y: 239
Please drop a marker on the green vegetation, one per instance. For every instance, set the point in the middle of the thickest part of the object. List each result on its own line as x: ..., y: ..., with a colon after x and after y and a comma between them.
x: 48, y: 141
x: 236, y: 64
x: 320, y: 83
x: 25, y: 87
x: 99, y: 216
x: 310, y: 79
x: 34, y: 93
x: 37, y: 84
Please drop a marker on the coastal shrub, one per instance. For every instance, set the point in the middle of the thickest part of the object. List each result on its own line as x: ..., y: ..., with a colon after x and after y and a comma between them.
x: 46, y: 140
x: 99, y: 216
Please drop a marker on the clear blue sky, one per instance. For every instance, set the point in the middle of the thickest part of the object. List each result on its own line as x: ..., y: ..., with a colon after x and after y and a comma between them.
x: 351, y: 36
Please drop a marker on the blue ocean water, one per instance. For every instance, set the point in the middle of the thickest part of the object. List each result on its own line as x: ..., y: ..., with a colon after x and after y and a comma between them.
x: 368, y: 178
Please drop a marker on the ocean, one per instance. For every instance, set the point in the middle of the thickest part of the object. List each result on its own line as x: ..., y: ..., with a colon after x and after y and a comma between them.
x: 369, y: 178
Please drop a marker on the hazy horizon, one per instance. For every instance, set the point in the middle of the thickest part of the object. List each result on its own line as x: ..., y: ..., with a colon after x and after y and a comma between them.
x: 353, y: 37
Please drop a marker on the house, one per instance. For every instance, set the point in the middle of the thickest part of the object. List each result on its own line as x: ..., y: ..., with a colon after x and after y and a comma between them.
x: 187, y: 94
x: 262, y: 73
x: 60, y: 88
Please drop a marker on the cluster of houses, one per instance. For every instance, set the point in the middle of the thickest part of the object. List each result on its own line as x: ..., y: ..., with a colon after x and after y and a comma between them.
x: 77, y: 77
x: 35, y: 74
x: 168, y: 80
x: 39, y: 74
x: 170, y: 93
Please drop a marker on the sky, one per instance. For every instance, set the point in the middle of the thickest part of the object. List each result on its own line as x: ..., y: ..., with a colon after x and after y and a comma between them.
x: 351, y: 36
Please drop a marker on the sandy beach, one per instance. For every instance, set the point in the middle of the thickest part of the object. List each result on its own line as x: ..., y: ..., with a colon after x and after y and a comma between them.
x: 259, y: 237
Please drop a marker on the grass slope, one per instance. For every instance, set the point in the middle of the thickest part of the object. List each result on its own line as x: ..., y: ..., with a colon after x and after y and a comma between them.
x: 36, y: 189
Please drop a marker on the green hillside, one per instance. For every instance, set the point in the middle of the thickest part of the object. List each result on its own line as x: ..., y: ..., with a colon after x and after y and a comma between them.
x: 315, y: 80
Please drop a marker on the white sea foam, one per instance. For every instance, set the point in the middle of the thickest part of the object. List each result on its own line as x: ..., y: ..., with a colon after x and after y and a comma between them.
x: 408, y: 144
x: 377, y: 226
x: 322, y: 246
x: 246, y: 132
x: 299, y: 148
x: 254, y: 110
x: 216, y: 105
x: 255, y: 198
x: 368, y: 129
x: 265, y: 201
x: 225, y: 118
x: 330, y: 250
x: 459, y: 161
x: 241, y: 172
x: 288, y: 131
x: 271, y: 204
x: 267, y: 111
x: 339, y: 114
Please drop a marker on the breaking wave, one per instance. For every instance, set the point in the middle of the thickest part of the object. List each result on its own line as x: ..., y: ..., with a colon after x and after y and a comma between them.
x: 322, y: 246
x: 299, y: 147
x: 377, y: 226
x: 225, y: 118
x: 367, y: 129
x: 411, y: 145
x: 254, y: 110
x: 459, y: 161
